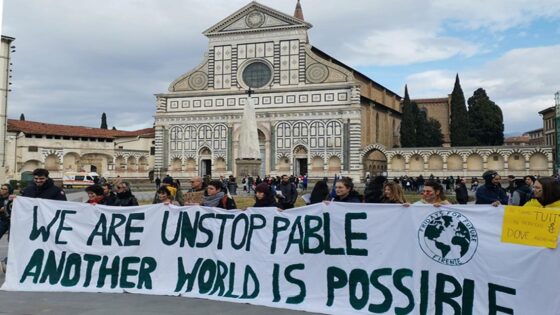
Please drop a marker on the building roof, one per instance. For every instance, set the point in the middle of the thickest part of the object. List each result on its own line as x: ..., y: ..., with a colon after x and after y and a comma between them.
x: 326, y: 56
x: 538, y: 130
x: 39, y: 128
x: 517, y: 139
x: 547, y: 110
x: 430, y: 100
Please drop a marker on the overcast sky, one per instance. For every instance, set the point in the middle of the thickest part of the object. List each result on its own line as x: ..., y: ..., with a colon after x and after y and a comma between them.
x: 76, y: 59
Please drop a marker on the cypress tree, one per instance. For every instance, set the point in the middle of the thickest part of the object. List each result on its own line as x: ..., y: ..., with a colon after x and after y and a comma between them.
x: 434, y: 136
x: 459, y: 124
x: 22, y: 117
x: 485, y: 120
x: 103, y: 121
x: 421, y: 120
x: 408, y: 122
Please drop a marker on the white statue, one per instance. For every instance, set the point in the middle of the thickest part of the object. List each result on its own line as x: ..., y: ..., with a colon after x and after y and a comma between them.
x: 248, y: 135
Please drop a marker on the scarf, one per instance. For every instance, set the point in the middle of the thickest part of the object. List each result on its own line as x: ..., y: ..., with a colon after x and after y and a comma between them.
x: 213, y: 201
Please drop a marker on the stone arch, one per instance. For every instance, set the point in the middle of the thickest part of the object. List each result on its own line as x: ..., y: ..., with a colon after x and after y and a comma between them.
x: 204, y: 151
x: 398, y: 163
x: 435, y: 162
x: 371, y: 147
x: 142, y: 164
x: 190, y: 165
x: 538, y: 162
x: 317, y: 164
x: 120, y: 163
x: 475, y: 162
x: 71, y: 161
x: 374, y: 162
x: 454, y: 162
x: 335, y: 164
x: 220, y: 164
x: 495, y: 161
x: 283, y: 164
x: 416, y: 163
x: 97, y: 161
x: 131, y: 162
x: 176, y: 164
x: 516, y: 162
x: 30, y: 166
x: 52, y: 162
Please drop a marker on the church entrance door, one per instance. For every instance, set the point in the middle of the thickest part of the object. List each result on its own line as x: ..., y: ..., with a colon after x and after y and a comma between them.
x: 301, y: 166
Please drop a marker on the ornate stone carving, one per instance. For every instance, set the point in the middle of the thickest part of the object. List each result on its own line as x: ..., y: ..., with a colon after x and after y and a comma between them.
x: 255, y: 19
x: 198, y: 80
x: 317, y: 73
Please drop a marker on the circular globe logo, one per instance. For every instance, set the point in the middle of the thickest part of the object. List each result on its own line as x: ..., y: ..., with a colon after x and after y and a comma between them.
x: 448, y: 237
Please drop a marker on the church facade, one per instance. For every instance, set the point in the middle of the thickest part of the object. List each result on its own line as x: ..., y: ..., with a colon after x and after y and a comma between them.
x: 315, y: 115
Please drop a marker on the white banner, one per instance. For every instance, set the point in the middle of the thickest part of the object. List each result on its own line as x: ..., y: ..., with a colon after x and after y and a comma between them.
x: 335, y: 259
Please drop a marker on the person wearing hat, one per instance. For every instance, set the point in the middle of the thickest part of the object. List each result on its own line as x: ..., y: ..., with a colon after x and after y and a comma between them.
x: 491, y: 193
x: 95, y: 195
x: 175, y: 191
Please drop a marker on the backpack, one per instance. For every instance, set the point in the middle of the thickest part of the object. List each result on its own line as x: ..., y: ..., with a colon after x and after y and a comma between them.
x: 224, y: 202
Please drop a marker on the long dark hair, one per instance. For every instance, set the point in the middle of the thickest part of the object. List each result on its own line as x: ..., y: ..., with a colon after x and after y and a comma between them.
x: 550, y: 190
x: 320, y: 192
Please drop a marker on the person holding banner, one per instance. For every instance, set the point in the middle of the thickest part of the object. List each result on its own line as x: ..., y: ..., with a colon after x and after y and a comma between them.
x: 166, y: 197
x: 215, y: 197
x: 393, y: 193
x: 491, y: 193
x: 344, y: 188
x: 434, y: 194
x: 43, y: 187
x: 95, y: 195
x: 319, y: 193
x: 546, y: 193
x: 264, y: 196
x: 125, y: 198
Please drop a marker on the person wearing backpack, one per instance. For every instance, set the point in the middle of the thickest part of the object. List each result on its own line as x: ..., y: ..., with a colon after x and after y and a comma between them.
x: 522, y: 193
x: 216, y: 197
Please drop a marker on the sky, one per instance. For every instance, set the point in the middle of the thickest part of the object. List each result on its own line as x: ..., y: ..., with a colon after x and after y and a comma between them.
x: 76, y: 59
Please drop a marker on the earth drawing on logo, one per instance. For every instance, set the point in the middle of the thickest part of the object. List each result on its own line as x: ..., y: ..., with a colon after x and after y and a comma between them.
x: 448, y: 237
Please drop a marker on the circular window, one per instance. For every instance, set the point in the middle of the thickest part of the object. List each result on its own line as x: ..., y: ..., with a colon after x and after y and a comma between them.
x: 257, y: 75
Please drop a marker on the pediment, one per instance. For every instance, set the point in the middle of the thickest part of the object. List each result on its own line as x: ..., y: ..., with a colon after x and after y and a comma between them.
x: 255, y: 17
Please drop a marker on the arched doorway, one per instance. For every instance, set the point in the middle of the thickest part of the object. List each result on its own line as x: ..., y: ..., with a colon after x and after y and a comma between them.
x: 375, y: 163
x: 300, y: 160
x: 205, y: 162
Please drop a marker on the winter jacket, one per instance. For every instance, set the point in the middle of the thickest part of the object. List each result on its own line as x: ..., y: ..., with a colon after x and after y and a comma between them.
x: 46, y: 191
x: 488, y: 193
x: 125, y: 199
x: 289, y: 192
x: 461, y: 194
x: 353, y: 196
x: 535, y: 203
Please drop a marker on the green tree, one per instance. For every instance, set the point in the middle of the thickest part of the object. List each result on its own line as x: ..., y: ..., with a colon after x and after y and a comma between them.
x: 408, y: 122
x: 434, y: 136
x: 459, y: 117
x: 22, y: 117
x: 485, y: 120
x: 421, y: 119
x: 103, y: 121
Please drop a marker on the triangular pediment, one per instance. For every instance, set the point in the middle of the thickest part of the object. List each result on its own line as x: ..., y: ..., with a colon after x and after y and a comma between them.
x: 255, y: 17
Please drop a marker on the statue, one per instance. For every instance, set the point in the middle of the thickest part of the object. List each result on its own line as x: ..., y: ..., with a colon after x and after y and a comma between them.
x: 248, y: 159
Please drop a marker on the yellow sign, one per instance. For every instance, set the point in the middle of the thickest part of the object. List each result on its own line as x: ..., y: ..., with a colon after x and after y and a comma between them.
x: 531, y: 226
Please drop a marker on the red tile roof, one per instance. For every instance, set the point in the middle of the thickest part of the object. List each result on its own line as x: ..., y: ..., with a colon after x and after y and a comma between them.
x: 39, y: 128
